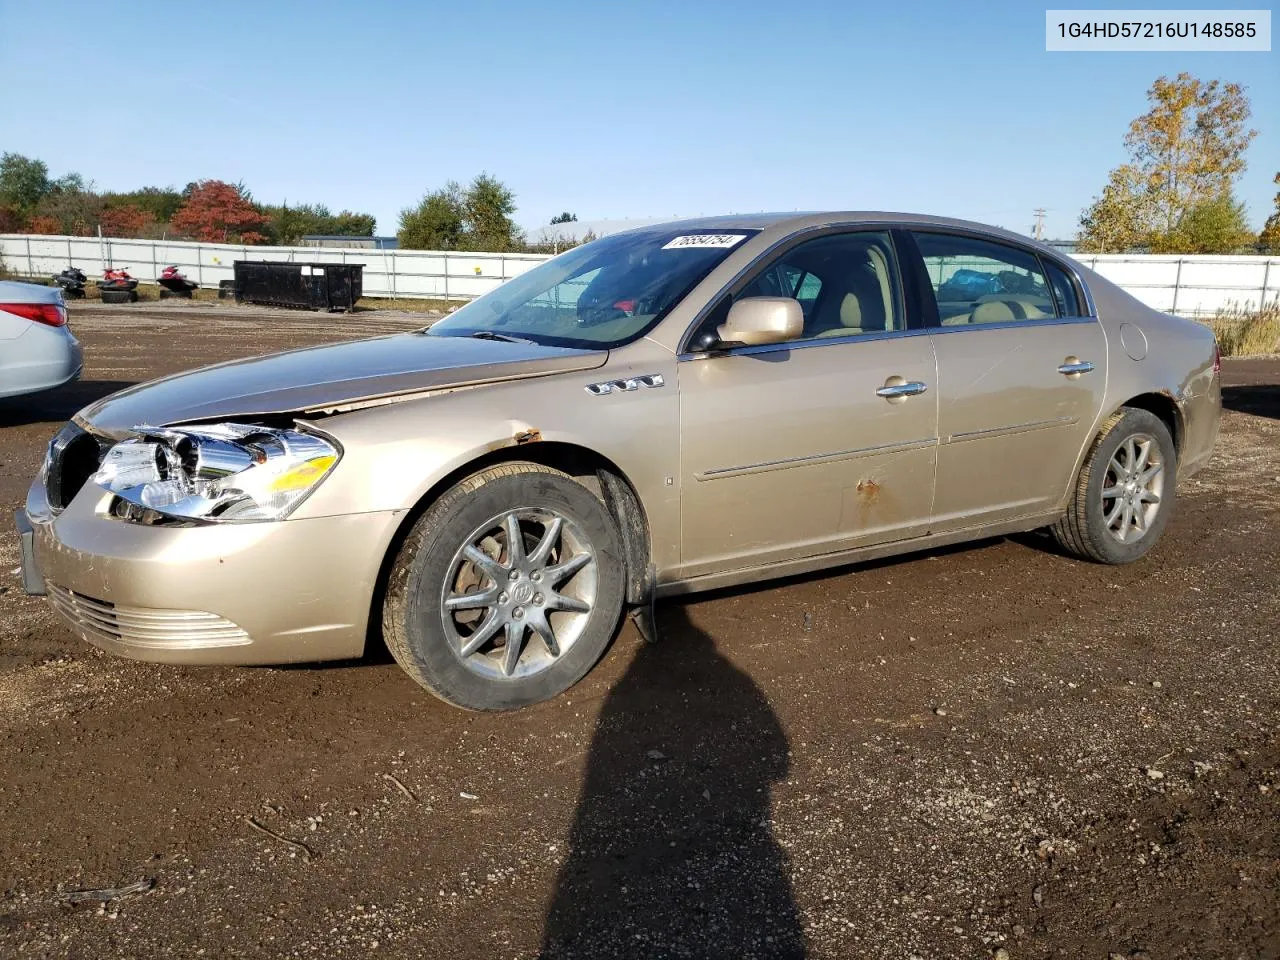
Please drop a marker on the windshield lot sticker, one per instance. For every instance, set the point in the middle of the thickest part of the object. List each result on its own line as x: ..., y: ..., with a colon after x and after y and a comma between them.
x: 704, y: 240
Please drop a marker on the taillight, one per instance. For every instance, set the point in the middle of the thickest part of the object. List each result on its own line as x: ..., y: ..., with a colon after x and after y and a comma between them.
x: 1217, y: 358
x: 50, y: 314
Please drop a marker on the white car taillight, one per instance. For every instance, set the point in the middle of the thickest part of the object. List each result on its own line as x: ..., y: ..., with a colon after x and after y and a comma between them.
x: 50, y: 314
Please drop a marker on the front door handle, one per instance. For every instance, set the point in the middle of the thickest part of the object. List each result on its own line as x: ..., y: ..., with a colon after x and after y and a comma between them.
x: 1074, y: 366
x: 896, y: 389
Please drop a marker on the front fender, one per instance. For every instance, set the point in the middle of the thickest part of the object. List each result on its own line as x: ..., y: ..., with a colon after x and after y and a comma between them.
x: 395, y: 454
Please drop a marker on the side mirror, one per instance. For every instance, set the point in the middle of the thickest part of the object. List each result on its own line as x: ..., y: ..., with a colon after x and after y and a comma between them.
x: 760, y: 320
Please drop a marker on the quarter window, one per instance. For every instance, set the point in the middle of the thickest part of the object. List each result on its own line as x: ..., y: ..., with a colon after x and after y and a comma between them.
x: 980, y: 282
x: 1064, y: 291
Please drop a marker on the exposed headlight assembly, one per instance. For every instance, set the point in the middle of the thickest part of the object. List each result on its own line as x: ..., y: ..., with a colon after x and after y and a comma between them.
x: 225, y: 472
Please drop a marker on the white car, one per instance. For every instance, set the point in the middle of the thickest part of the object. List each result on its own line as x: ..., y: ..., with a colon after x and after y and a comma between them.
x: 37, y: 350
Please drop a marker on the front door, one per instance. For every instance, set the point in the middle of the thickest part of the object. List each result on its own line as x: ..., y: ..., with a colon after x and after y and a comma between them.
x: 809, y: 447
x: 1021, y: 374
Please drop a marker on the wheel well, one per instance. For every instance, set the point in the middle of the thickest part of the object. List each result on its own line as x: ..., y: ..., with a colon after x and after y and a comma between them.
x: 1162, y: 406
x: 597, y: 473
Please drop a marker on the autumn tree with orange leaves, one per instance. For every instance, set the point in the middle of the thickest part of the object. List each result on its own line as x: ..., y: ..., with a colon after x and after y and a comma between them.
x: 125, y: 220
x: 218, y: 212
x: 43, y: 224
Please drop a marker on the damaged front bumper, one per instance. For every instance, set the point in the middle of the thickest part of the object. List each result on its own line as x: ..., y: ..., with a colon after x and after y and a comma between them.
x: 235, y: 593
x: 32, y: 582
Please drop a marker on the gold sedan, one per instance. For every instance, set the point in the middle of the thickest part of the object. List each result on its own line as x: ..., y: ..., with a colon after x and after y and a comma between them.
x: 680, y: 407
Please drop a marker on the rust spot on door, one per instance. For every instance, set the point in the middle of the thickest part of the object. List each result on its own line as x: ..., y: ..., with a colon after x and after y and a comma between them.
x: 868, y: 490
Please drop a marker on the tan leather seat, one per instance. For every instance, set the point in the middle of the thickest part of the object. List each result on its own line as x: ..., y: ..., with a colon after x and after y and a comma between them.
x: 993, y: 311
x: 866, y: 305
x: 850, y: 319
x: 1026, y: 307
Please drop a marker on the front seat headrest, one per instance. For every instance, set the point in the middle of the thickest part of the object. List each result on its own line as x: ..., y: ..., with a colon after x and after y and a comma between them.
x: 850, y: 311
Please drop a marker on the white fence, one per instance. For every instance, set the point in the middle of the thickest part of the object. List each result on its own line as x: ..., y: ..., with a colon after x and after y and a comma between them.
x: 1187, y: 285
x: 1191, y: 286
x: 387, y: 273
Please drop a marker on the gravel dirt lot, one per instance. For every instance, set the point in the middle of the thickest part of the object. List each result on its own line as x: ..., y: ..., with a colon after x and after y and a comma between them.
x: 981, y: 749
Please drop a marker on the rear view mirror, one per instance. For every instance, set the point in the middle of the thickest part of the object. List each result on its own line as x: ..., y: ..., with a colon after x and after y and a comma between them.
x: 759, y: 320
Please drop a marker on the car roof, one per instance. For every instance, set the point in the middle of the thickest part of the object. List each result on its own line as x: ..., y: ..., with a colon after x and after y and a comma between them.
x: 784, y: 223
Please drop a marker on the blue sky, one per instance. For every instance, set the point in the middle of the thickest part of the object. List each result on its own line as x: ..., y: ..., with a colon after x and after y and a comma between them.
x: 604, y: 109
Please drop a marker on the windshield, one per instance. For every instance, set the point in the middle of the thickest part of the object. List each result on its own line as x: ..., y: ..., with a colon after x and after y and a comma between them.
x: 601, y: 294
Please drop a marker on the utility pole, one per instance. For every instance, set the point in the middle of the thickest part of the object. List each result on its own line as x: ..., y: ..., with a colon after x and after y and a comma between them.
x: 1039, y: 234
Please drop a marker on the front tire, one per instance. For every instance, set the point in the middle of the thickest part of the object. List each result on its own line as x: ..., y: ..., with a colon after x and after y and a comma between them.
x: 1125, y: 492
x: 507, y: 590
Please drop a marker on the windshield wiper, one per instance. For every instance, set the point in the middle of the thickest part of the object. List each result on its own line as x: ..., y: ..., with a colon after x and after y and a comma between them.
x: 491, y: 335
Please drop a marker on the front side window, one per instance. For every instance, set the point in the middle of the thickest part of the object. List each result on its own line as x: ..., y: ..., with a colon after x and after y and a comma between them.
x: 599, y: 295
x: 786, y: 279
x: 980, y: 282
x: 847, y: 285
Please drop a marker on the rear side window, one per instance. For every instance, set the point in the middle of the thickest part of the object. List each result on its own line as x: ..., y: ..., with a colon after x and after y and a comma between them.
x: 979, y: 282
x: 1064, y: 291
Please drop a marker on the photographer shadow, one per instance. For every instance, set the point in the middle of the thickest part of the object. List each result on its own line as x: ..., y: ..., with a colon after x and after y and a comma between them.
x: 671, y: 851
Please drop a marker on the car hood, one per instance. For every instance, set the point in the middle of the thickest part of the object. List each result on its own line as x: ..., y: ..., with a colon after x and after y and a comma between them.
x: 319, y: 378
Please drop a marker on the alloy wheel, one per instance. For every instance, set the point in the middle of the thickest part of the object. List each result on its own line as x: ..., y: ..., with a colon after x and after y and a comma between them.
x: 1132, y: 488
x: 519, y: 593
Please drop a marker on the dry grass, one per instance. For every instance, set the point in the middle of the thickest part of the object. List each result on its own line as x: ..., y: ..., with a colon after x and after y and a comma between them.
x: 1243, y: 333
x: 411, y: 305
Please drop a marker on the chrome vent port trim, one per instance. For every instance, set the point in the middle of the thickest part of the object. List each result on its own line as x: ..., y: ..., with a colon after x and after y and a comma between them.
x: 144, y: 626
x: 627, y: 385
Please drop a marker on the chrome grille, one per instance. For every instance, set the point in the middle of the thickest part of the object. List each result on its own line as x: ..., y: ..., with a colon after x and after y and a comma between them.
x: 144, y: 626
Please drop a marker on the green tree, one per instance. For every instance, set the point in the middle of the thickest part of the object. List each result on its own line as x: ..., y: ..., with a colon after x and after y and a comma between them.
x: 73, y: 205
x: 287, y: 225
x: 1269, y: 238
x: 24, y: 182
x: 160, y: 203
x: 1218, y: 225
x: 348, y: 224
x: 565, y: 217
x: 487, y: 207
x: 452, y: 218
x: 436, y: 223
x: 1187, y: 150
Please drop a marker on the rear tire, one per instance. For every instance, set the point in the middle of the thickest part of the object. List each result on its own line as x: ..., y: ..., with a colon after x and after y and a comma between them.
x: 1125, y: 492
x: 487, y: 628
x: 118, y: 296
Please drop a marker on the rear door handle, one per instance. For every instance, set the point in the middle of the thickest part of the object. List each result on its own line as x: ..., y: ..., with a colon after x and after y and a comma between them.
x: 1073, y: 367
x: 901, y: 390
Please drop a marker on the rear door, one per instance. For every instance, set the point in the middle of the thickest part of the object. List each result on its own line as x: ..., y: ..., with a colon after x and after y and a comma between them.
x: 1021, y: 376
x: 808, y: 447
